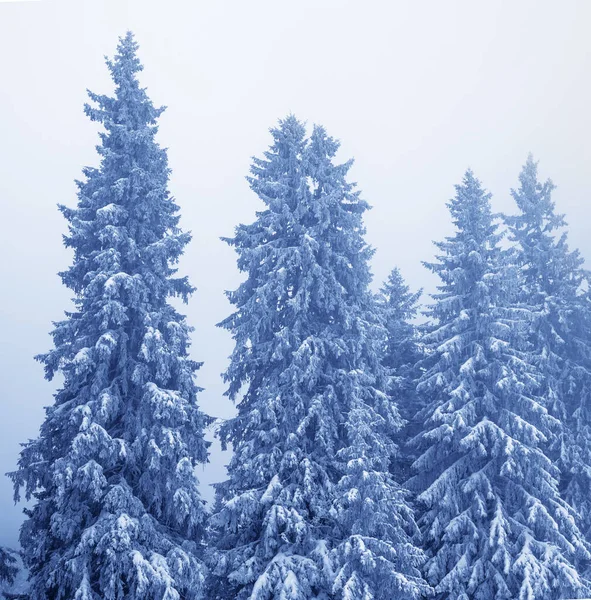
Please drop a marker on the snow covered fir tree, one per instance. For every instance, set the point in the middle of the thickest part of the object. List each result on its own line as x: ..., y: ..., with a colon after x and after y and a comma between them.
x: 309, y: 509
x: 489, y: 507
x: 402, y: 356
x: 554, y: 287
x: 402, y: 352
x: 116, y: 511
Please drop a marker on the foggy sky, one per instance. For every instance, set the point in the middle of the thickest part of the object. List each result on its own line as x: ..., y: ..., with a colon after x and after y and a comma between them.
x: 416, y: 91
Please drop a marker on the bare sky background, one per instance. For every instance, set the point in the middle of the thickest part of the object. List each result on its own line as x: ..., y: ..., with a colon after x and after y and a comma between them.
x: 416, y: 91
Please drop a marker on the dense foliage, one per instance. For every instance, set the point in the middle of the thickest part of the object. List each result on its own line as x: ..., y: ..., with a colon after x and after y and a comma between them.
x: 494, y: 523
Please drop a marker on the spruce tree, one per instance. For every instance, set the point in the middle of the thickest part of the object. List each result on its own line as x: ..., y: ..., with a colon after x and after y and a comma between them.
x: 312, y: 438
x: 402, y: 356
x: 491, y: 513
x: 560, y: 333
x: 400, y: 306
x: 117, y: 512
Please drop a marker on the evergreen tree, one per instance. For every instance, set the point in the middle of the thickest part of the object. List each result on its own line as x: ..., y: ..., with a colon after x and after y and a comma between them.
x: 560, y: 332
x: 402, y: 357
x: 117, y: 512
x: 313, y: 421
x: 491, y: 513
x: 400, y: 306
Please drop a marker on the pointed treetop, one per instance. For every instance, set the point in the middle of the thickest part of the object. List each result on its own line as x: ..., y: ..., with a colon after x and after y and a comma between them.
x: 471, y: 209
x: 130, y: 105
x: 534, y: 198
x: 323, y: 149
x: 127, y: 50
x: 469, y: 190
x: 323, y: 143
x: 290, y: 129
x: 125, y: 64
x: 549, y: 266
x: 399, y: 297
x: 395, y: 285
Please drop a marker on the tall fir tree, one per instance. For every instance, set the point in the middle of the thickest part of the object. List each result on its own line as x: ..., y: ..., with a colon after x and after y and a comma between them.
x: 491, y: 512
x: 402, y: 356
x: 309, y: 509
x: 117, y: 512
x: 551, y: 286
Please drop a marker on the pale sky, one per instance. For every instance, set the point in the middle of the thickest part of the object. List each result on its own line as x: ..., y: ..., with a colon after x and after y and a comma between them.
x: 416, y: 91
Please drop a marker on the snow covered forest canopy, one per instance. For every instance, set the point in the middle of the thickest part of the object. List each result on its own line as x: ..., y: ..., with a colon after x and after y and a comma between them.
x: 499, y: 359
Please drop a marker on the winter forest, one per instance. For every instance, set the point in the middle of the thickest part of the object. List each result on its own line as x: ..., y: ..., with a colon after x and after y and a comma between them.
x: 383, y: 448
